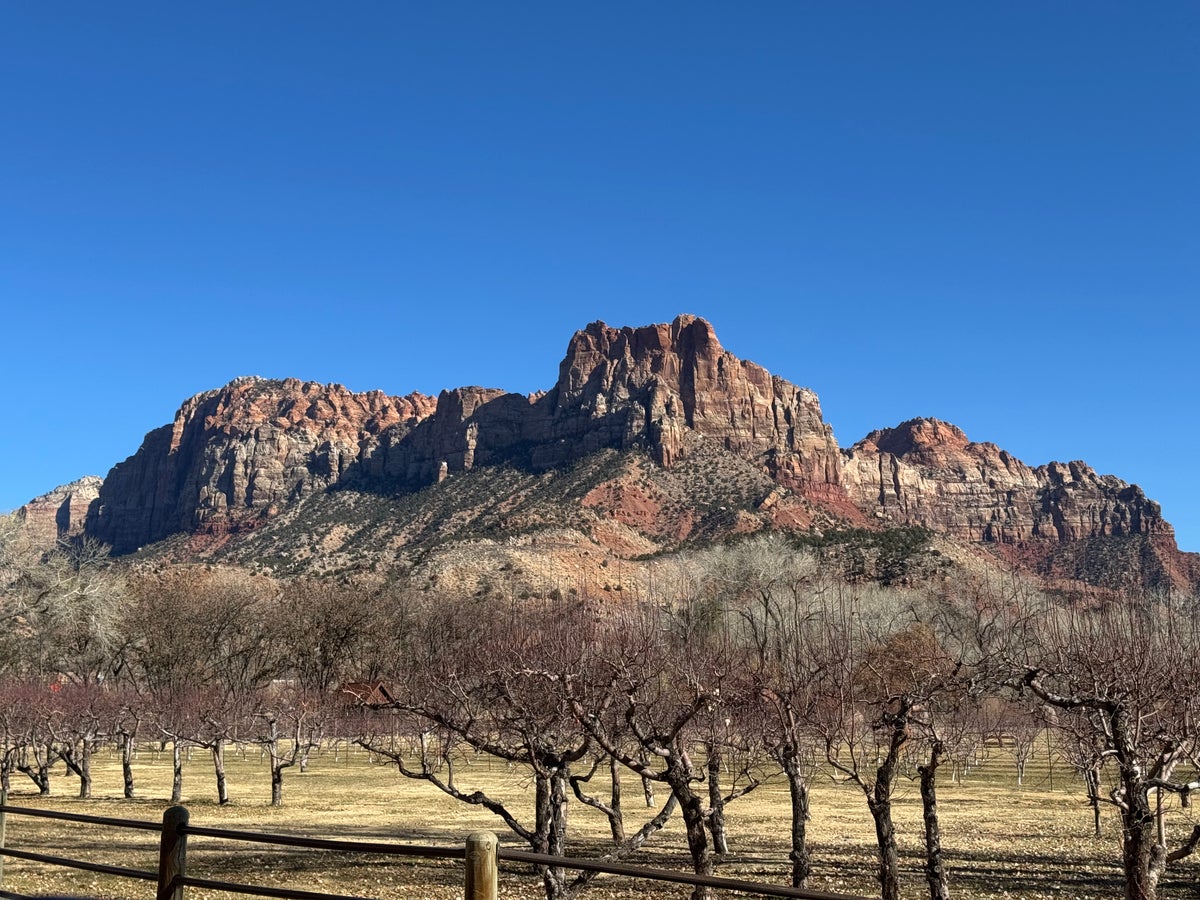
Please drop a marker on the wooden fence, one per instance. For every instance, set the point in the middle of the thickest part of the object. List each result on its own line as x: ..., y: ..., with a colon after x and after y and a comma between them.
x: 481, y: 855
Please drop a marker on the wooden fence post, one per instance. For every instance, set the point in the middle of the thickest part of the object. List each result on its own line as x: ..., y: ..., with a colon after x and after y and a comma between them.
x: 172, y: 852
x: 3, y: 802
x: 481, y: 881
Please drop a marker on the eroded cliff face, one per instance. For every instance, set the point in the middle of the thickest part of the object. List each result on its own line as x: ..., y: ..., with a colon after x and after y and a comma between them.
x: 239, y: 451
x: 926, y: 472
x: 651, y: 387
x: 661, y: 381
x: 60, y: 513
x: 236, y: 455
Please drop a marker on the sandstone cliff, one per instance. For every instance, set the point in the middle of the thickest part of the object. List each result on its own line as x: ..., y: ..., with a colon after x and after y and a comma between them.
x: 622, y: 388
x: 236, y: 456
x: 238, y: 452
x: 926, y: 472
x: 60, y: 513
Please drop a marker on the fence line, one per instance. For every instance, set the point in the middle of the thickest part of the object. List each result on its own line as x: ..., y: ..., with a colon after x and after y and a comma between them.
x: 481, y: 855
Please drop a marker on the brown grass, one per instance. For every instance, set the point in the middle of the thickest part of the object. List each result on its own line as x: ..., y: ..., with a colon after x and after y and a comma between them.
x: 1001, y: 840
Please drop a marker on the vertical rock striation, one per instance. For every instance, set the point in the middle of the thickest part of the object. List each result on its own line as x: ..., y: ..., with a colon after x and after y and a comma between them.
x: 238, y: 452
x: 60, y: 513
x: 926, y: 472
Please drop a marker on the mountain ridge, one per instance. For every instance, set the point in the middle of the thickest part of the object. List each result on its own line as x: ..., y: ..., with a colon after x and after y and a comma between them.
x: 235, y: 457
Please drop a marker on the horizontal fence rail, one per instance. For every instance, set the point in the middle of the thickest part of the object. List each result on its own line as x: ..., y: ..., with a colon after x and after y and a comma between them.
x: 480, y: 868
x: 287, y: 840
x: 628, y: 871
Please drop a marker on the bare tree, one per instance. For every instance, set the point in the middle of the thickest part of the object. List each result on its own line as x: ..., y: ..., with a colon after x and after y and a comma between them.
x: 130, y: 711
x: 62, y: 607
x: 487, y: 679
x: 200, y: 642
x: 288, y: 723
x: 333, y: 632
x: 32, y: 740
x: 775, y: 590
x: 1127, y: 674
x: 1084, y: 751
x: 76, y: 722
x: 884, y: 672
x: 657, y: 692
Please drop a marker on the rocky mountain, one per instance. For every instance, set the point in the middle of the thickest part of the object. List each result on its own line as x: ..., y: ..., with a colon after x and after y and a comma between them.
x: 664, y: 399
x: 236, y: 455
x: 927, y: 472
x: 60, y: 513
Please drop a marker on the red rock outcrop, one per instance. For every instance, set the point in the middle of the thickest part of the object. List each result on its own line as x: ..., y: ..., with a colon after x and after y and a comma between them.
x: 926, y: 472
x: 236, y: 452
x: 234, y: 455
x: 60, y: 513
x: 660, y: 381
x: 623, y: 388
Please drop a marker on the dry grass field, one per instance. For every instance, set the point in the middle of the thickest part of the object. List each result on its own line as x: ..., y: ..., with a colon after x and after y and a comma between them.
x: 1001, y: 840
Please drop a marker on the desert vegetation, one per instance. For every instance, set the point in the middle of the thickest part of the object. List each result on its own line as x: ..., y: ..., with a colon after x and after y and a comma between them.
x: 738, y: 717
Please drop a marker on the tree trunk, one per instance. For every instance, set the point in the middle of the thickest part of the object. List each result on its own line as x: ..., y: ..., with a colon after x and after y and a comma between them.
x: 127, y: 763
x: 560, y: 789
x: 177, y: 776
x: 879, y: 801
x: 218, y: 755
x: 697, y: 838
x: 550, y: 825
x: 935, y: 869
x: 716, y: 801
x: 647, y: 784
x: 1092, y: 778
x: 40, y: 776
x: 889, y: 857
x: 798, y: 790
x: 85, y: 770
x: 1143, y: 857
x: 39, y: 772
x: 616, y: 821
x: 693, y: 822
x: 276, y: 784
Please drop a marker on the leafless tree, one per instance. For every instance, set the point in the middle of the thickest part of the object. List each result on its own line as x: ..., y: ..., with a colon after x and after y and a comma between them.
x: 288, y: 723
x: 662, y: 687
x: 887, y: 683
x: 130, y: 710
x: 774, y: 590
x: 1084, y: 751
x: 28, y: 722
x: 1126, y: 675
x: 62, y: 607
x: 485, y: 679
x: 333, y: 632
x: 199, y: 641
x: 77, y: 718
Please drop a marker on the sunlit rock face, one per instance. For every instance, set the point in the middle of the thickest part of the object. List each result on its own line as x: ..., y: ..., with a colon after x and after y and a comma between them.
x: 926, y: 472
x: 235, y: 457
x: 59, y: 514
x: 238, y: 452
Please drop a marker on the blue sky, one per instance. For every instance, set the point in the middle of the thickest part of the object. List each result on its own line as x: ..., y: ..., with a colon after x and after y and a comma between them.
x: 988, y: 213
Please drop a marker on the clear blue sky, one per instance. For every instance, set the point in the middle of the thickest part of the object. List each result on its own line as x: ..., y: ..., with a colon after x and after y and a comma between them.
x: 988, y: 213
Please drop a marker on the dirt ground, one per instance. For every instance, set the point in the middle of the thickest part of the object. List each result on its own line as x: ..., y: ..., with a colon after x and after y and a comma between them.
x: 1002, y: 841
